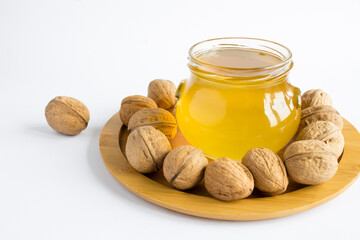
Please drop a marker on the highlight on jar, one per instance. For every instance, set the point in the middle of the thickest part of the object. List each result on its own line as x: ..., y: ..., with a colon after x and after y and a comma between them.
x: 238, y: 97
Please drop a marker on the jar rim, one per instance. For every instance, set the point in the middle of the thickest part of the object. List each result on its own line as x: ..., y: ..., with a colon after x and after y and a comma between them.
x: 280, y: 51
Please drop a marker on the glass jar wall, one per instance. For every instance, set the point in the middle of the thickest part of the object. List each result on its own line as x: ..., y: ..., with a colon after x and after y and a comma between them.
x: 238, y: 97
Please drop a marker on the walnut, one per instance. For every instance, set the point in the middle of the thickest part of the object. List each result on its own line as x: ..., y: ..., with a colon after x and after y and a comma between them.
x: 130, y: 105
x: 310, y: 162
x: 146, y: 149
x: 67, y: 115
x: 228, y: 180
x: 267, y: 169
x: 184, y: 167
x: 163, y: 93
x: 157, y: 118
x: 315, y: 97
x: 172, y: 110
x: 326, y: 132
x: 320, y: 113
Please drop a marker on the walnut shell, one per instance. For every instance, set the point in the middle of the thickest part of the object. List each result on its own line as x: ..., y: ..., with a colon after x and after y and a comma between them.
x: 162, y: 92
x: 326, y: 132
x: 67, y: 115
x: 130, y: 105
x: 267, y: 169
x: 146, y: 149
x: 172, y: 110
x: 184, y: 167
x: 315, y: 97
x: 320, y: 113
x: 310, y: 162
x: 157, y: 118
x: 228, y: 180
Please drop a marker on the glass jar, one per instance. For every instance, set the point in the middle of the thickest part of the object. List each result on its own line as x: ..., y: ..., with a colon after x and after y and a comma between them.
x: 238, y: 97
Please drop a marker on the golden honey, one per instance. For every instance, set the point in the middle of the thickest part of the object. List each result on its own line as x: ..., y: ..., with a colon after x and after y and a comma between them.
x: 238, y: 97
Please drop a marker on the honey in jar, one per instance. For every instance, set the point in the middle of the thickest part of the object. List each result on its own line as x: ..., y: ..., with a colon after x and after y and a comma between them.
x: 238, y: 97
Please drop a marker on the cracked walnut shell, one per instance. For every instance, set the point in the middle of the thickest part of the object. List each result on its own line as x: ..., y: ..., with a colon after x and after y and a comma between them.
x: 184, y: 167
x: 310, y: 162
x: 315, y: 97
x: 67, y: 115
x: 156, y: 117
x: 267, y: 169
x: 146, y: 149
x: 130, y: 105
x: 162, y: 92
x: 326, y: 132
x: 228, y: 180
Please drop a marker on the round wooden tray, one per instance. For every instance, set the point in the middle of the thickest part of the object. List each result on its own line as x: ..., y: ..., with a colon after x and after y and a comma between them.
x: 197, y: 202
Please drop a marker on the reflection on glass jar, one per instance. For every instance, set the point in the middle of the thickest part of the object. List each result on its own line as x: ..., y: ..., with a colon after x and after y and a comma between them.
x: 238, y: 97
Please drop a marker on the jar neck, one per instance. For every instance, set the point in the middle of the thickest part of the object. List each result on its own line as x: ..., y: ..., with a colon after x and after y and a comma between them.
x: 238, y: 74
x: 253, y: 78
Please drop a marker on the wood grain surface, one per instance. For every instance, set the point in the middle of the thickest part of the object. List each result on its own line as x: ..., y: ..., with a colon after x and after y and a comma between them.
x: 197, y: 202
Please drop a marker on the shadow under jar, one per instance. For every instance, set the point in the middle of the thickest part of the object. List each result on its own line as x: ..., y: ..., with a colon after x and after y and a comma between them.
x: 238, y: 97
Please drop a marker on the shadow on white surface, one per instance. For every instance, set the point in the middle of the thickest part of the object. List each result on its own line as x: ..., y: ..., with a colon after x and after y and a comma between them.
x: 43, y: 130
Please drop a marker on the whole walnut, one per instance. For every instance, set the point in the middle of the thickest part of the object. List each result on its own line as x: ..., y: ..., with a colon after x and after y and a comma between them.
x: 320, y: 113
x: 130, y: 105
x: 157, y: 118
x: 162, y: 92
x: 326, y: 132
x: 184, y: 167
x: 67, y: 115
x: 267, y: 169
x: 228, y: 180
x: 146, y: 149
x: 310, y: 162
x: 315, y: 97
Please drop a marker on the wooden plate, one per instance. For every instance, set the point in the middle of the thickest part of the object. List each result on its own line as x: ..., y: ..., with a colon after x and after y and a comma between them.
x: 197, y: 202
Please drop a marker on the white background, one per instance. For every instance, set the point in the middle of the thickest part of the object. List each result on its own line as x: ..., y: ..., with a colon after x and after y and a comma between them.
x: 56, y: 187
